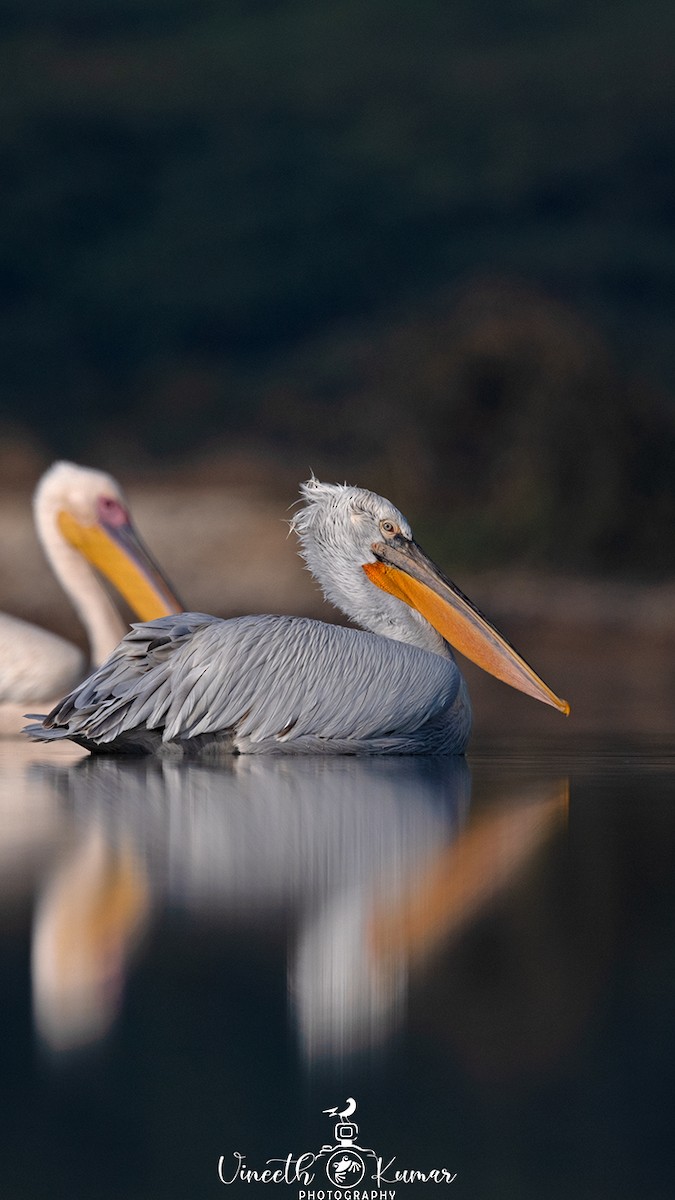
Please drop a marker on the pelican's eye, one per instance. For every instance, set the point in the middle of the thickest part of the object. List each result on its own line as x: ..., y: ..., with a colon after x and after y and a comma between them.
x: 389, y: 528
x: 111, y: 512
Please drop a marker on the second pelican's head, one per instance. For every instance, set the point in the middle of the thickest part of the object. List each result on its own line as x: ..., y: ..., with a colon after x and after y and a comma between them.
x: 85, y: 510
x: 361, y: 550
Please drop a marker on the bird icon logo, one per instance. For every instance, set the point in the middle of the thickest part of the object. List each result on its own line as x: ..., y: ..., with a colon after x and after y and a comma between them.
x: 346, y: 1131
x: 343, y: 1113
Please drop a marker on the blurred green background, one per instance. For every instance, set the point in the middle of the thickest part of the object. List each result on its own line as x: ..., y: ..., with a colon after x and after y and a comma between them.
x: 424, y: 245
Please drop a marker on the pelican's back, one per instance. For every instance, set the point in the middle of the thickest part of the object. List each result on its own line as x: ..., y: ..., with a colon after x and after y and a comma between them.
x: 264, y: 684
x: 35, y: 662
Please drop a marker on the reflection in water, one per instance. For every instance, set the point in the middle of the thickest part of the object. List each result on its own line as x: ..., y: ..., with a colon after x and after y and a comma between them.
x: 31, y: 818
x: 457, y: 883
x: 353, y: 961
x: 85, y: 923
x: 370, y: 863
x: 535, y: 1052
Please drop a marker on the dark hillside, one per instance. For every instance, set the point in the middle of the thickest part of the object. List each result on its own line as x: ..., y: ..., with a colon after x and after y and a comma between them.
x: 431, y: 242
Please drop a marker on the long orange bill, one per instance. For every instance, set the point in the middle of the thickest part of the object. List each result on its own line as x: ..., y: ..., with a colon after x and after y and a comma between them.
x: 404, y: 571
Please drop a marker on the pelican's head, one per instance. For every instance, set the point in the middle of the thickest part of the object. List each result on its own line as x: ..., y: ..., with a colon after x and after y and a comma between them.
x: 362, y: 551
x: 338, y: 526
x: 86, y: 510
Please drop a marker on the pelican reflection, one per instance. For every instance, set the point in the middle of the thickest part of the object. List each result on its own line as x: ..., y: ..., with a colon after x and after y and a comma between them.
x: 369, y: 864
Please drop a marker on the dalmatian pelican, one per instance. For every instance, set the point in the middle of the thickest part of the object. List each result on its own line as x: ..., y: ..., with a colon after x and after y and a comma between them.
x: 199, y: 686
x: 82, y: 520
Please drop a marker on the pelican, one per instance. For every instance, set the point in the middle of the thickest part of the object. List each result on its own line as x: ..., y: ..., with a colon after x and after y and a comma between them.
x: 199, y: 686
x: 83, y: 523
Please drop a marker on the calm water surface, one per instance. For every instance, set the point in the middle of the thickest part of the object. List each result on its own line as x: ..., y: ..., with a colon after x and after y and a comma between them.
x: 199, y: 961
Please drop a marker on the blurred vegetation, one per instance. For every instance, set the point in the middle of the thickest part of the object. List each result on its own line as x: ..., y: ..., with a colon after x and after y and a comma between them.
x: 428, y: 246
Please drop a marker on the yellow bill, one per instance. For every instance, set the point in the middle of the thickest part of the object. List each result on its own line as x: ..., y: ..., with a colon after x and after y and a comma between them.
x: 118, y: 553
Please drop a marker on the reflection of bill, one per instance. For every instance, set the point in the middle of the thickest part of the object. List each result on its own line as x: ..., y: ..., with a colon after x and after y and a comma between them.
x: 455, y: 885
x: 353, y: 961
x: 85, y: 925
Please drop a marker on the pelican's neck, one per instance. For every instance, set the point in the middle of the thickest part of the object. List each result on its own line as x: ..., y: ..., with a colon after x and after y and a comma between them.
x: 365, y: 604
x: 392, y: 618
x: 96, y: 610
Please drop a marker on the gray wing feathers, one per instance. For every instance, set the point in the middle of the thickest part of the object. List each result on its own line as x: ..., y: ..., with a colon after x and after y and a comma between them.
x: 133, y: 687
x: 283, y: 678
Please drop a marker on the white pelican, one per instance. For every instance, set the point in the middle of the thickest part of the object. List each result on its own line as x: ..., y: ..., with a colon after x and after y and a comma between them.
x: 83, y: 522
x: 201, y: 686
